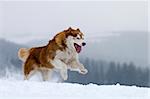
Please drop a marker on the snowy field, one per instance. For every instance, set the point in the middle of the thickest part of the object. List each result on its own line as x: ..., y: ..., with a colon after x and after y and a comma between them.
x: 17, y: 89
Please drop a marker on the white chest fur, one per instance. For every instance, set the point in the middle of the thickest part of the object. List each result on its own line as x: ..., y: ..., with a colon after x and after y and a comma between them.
x: 66, y: 55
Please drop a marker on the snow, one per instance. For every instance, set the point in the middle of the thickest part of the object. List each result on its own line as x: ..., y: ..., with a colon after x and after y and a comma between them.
x: 14, y: 89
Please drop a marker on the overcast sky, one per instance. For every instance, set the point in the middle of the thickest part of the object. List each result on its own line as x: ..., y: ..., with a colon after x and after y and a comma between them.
x: 43, y: 19
x: 24, y: 22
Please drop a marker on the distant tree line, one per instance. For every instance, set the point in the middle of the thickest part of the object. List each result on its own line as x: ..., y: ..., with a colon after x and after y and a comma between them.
x: 108, y: 73
x: 100, y: 72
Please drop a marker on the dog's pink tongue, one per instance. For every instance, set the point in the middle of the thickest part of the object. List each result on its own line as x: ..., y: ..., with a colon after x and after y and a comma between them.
x: 79, y: 49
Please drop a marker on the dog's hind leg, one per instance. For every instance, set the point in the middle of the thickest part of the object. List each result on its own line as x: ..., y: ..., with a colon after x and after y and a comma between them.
x: 31, y: 73
x: 62, y: 67
x: 45, y: 74
x: 30, y: 67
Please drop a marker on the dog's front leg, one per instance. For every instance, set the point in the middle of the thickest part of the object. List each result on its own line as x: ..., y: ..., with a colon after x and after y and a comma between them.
x: 58, y: 64
x: 83, y: 70
x: 77, y: 66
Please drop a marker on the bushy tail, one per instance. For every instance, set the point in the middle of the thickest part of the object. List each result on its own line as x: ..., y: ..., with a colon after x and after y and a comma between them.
x: 23, y: 54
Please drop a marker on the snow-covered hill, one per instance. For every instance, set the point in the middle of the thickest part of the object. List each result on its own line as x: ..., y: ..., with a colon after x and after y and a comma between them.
x: 12, y: 89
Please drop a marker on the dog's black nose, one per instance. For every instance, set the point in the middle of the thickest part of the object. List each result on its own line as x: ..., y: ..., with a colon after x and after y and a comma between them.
x: 83, y: 44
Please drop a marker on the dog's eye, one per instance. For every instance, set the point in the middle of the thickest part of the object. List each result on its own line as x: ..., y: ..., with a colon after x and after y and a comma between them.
x: 78, y: 38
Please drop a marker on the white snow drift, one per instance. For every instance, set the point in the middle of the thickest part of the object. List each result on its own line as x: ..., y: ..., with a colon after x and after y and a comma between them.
x: 14, y: 89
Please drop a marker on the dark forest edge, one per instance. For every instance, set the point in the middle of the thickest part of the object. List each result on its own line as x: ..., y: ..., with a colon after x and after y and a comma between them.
x: 101, y: 72
x: 108, y: 73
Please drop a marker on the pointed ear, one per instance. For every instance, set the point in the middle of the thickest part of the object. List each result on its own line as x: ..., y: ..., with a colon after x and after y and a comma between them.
x: 60, y: 39
x: 78, y: 29
x: 69, y: 28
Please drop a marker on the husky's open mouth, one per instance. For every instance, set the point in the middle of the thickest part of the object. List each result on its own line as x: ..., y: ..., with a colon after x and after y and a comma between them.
x: 77, y: 47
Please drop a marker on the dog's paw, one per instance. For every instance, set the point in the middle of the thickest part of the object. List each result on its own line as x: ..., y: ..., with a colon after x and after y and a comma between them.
x: 84, y: 71
x: 64, y: 76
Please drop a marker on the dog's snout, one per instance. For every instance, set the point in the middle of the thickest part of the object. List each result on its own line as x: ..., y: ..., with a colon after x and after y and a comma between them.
x: 83, y: 44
